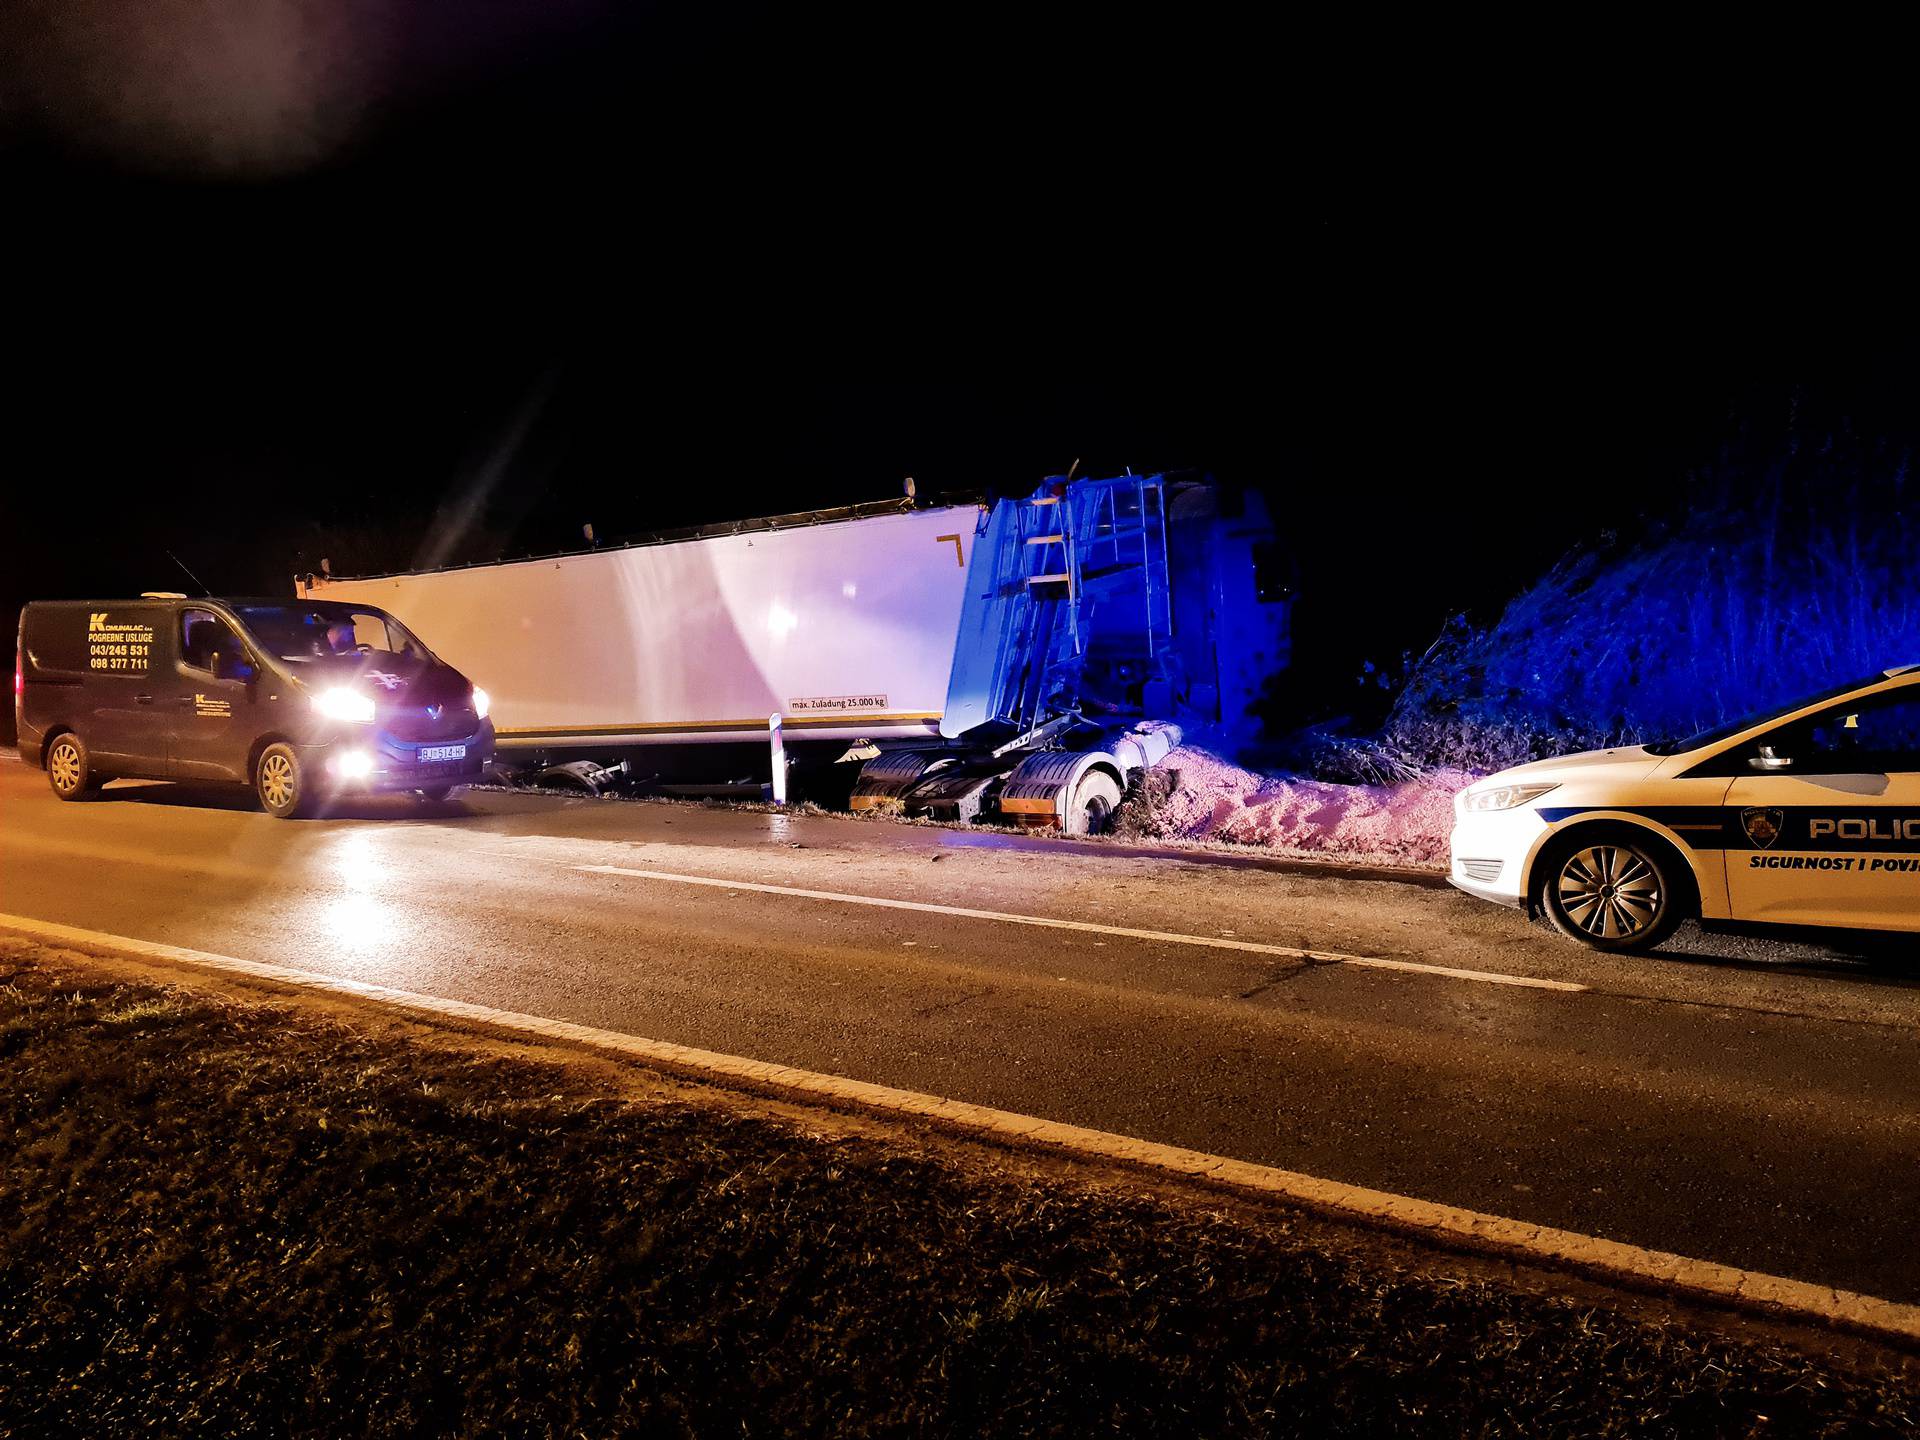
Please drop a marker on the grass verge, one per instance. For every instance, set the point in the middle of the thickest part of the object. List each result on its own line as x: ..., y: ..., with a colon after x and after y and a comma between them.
x: 235, y: 1215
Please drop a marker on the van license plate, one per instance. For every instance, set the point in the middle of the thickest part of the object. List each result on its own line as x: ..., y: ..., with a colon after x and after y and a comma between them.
x: 431, y: 753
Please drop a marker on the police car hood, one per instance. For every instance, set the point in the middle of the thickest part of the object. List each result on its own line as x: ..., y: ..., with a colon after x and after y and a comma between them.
x: 387, y: 679
x: 1628, y: 762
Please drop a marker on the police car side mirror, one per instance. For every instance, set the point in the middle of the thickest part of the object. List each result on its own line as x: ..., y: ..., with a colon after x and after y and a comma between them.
x: 1767, y: 760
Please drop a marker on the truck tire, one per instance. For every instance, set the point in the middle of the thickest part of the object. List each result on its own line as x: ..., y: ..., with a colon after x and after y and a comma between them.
x: 70, y: 767
x: 281, y: 782
x: 1616, y: 889
x: 1090, y: 810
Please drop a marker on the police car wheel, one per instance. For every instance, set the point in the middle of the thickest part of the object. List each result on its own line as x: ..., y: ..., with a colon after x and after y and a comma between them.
x: 69, y: 768
x: 280, y: 780
x: 1615, y: 891
x: 434, y: 792
x: 1093, y: 804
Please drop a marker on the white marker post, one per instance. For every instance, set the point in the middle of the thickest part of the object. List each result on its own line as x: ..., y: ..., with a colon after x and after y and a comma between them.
x: 779, y: 747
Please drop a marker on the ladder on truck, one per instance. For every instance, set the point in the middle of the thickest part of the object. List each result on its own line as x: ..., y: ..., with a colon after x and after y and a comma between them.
x: 1092, y: 566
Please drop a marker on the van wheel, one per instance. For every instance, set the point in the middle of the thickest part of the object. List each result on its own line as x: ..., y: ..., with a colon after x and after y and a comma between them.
x: 1615, y: 891
x: 281, y: 781
x: 1094, y: 801
x: 70, y: 768
x: 434, y: 792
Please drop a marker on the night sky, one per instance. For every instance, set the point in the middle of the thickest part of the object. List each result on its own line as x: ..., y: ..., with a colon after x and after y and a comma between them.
x: 379, y: 282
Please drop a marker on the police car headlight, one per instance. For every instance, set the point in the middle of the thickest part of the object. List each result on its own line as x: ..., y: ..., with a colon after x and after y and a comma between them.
x: 1500, y: 797
x: 482, y: 702
x: 348, y: 705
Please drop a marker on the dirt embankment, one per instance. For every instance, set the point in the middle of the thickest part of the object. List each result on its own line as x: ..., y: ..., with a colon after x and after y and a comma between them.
x: 235, y: 1216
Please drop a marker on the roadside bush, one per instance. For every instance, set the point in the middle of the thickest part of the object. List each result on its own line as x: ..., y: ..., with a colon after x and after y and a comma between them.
x: 1786, y: 565
x: 1411, y: 746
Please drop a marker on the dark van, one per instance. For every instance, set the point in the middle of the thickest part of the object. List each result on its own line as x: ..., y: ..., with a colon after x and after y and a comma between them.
x: 297, y: 698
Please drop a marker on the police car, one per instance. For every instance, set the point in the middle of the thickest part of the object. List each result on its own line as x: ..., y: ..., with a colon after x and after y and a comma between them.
x: 1804, y: 815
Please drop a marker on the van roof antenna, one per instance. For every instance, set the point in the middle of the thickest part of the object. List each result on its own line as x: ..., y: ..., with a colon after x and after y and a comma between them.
x: 189, y: 574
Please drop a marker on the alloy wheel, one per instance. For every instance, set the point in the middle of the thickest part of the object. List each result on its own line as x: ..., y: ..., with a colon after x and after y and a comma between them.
x: 276, y: 781
x: 1611, y: 892
x: 64, y: 767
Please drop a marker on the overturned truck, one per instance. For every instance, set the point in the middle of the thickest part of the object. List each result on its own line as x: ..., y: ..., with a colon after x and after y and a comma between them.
x: 1025, y: 658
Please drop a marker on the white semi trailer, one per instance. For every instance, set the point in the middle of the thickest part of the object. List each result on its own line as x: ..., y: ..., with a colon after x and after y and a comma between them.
x: 1025, y: 658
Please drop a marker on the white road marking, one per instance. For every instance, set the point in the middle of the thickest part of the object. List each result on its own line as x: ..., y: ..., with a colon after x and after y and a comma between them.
x: 1163, y: 937
x: 1446, y: 1225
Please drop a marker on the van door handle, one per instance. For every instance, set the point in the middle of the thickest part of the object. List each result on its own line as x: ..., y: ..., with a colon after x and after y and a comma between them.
x: 143, y: 699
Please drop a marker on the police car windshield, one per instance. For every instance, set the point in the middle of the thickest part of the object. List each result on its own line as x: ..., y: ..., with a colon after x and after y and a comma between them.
x: 317, y: 630
x: 1758, y: 717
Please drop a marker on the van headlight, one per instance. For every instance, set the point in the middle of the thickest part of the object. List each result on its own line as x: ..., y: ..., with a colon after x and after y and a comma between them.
x: 344, y: 704
x: 482, y: 702
x: 1500, y: 797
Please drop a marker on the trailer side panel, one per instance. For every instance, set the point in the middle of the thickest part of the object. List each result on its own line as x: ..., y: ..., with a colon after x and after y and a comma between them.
x: 847, y: 629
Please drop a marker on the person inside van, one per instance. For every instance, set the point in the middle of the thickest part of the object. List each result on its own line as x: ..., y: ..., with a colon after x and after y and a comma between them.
x: 340, y: 639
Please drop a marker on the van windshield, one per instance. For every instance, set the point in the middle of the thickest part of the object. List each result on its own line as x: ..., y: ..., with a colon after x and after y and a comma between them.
x: 322, y: 630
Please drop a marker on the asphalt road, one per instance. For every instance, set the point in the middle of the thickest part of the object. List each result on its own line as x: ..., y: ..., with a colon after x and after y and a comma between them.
x: 1754, y: 1104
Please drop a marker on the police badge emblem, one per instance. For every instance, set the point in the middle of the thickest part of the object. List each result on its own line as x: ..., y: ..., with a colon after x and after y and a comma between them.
x: 1762, y: 824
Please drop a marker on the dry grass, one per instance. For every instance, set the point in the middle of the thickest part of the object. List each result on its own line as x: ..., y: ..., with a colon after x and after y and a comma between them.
x: 224, y: 1219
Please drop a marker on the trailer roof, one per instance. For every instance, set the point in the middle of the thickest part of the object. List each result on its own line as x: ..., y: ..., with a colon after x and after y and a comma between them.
x: 837, y: 514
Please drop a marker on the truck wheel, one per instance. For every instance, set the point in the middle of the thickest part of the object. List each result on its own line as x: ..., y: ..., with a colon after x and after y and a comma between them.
x: 281, y: 781
x: 70, y: 768
x: 435, y: 793
x: 1091, y: 809
x: 1615, y: 891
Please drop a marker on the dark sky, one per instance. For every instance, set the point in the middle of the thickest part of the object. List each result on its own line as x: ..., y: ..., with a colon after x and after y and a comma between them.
x: 329, y: 276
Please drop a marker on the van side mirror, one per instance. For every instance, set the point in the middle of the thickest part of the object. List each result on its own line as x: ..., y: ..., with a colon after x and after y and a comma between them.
x: 231, y: 667
x: 1767, y: 760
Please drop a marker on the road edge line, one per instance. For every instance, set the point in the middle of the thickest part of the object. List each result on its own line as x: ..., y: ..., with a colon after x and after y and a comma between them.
x: 1092, y: 927
x: 1446, y: 1226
